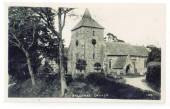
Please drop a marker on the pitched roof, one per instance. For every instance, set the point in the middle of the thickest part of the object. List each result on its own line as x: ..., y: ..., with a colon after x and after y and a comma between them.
x: 120, y: 63
x: 119, y: 48
x: 87, y: 21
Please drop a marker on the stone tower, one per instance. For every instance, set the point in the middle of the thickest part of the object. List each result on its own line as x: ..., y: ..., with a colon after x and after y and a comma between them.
x: 87, y: 43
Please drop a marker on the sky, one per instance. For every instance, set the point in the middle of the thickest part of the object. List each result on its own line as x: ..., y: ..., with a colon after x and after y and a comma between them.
x: 137, y: 24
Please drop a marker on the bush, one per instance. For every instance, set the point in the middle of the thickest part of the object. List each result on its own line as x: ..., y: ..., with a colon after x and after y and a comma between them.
x: 45, y: 87
x: 96, y: 78
x: 81, y: 64
x: 117, y: 90
x: 133, y: 75
x: 153, y: 75
x: 78, y: 77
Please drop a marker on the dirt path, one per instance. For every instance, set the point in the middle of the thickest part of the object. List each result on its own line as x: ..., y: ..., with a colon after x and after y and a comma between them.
x: 139, y: 83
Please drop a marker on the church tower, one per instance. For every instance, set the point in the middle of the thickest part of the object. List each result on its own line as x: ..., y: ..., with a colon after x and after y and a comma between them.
x: 87, y: 43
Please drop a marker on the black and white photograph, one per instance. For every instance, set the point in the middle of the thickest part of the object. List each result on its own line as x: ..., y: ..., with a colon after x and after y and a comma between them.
x: 95, y: 51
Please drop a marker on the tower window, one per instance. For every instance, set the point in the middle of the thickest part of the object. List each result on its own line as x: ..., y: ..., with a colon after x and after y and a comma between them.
x: 93, y: 42
x: 77, y: 43
x: 93, y: 33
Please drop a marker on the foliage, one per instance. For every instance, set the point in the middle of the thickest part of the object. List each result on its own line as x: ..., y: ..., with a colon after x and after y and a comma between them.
x: 32, y: 28
x: 95, y: 85
x: 153, y: 76
x: 32, y: 31
x: 154, y: 55
x: 22, y: 27
x: 65, y: 60
x: 112, y: 37
x: 117, y: 90
x: 81, y: 64
x: 79, y: 77
x: 17, y: 67
x: 45, y: 87
x: 22, y: 32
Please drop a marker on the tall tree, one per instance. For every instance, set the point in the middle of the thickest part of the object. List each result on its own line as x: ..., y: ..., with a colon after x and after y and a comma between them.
x: 26, y: 23
x: 61, y: 13
x: 27, y: 28
x: 22, y: 31
x: 61, y: 23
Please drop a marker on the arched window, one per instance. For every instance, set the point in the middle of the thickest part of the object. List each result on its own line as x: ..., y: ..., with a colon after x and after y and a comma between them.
x: 77, y: 43
x: 97, y: 66
x: 94, y: 43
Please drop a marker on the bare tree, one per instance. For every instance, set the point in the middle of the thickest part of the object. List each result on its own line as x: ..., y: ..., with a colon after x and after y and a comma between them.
x: 61, y: 23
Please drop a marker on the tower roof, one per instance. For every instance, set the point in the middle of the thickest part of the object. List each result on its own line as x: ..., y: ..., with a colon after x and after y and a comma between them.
x: 86, y: 14
x: 87, y: 21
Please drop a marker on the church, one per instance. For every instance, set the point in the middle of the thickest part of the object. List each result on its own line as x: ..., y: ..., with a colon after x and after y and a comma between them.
x: 98, y: 55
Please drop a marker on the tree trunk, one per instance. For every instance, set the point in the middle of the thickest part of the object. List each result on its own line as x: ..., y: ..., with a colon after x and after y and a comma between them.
x: 30, y: 70
x: 61, y: 68
x: 62, y: 75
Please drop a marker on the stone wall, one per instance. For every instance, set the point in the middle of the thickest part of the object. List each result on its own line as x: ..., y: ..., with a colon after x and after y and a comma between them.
x: 140, y: 64
x: 138, y: 61
x: 85, y: 49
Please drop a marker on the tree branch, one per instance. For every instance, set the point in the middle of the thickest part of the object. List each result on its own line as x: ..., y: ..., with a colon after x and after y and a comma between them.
x: 47, y: 23
x: 14, y: 43
x: 64, y: 20
x: 68, y: 10
x: 14, y: 36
